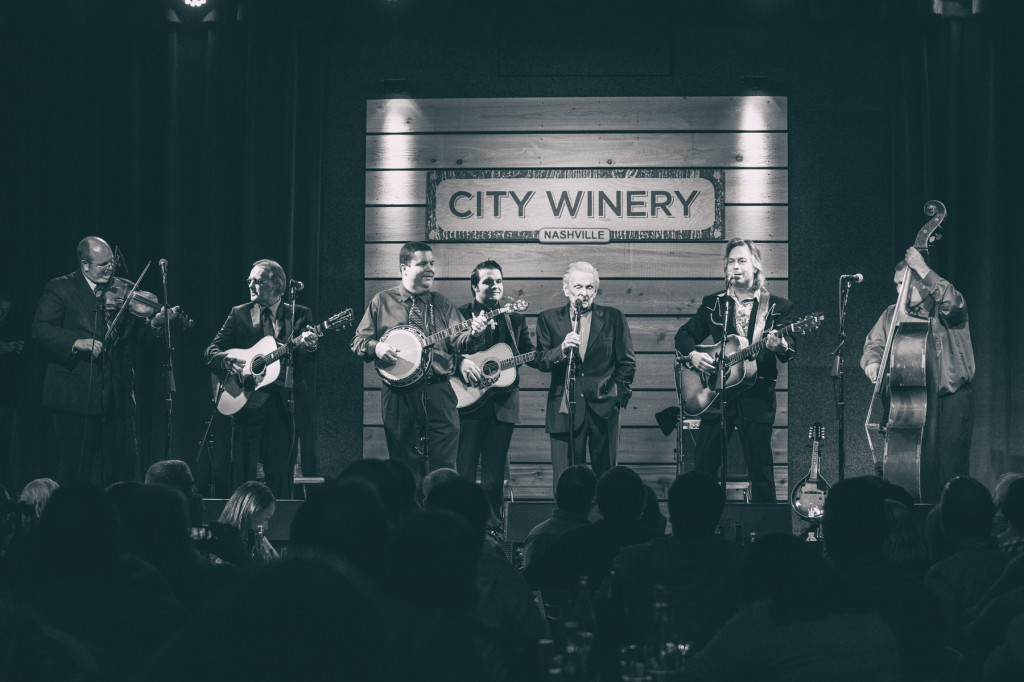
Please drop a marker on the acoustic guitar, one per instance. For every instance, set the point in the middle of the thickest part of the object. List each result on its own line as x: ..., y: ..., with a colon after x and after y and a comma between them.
x: 808, y: 496
x: 498, y: 366
x: 263, y: 365
x: 740, y: 367
x: 415, y: 349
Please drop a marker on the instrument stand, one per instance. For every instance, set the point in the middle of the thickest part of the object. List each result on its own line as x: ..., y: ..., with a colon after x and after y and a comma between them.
x: 838, y: 376
x: 207, y: 441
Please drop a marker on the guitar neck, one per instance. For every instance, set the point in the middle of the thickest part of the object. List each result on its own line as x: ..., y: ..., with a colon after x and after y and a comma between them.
x: 517, y: 360
x: 460, y: 327
x: 286, y: 348
x: 754, y: 349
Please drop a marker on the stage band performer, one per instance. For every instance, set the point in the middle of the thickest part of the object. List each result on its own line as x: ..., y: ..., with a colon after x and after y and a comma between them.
x: 263, y: 428
x: 89, y: 385
x: 421, y: 422
x: 751, y: 412
x: 604, y: 364
x: 485, y: 430
x: 949, y: 367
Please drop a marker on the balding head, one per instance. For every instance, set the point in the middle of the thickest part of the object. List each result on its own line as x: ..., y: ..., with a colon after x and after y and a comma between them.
x: 96, y: 259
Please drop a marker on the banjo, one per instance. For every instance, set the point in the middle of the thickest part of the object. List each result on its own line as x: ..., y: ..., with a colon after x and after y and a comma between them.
x: 415, y: 349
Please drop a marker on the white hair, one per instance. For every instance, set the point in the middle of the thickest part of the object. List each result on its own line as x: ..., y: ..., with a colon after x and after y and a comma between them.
x: 581, y: 266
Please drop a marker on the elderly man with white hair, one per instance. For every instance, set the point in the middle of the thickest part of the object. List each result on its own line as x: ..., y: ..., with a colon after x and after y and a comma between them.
x: 595, y: 340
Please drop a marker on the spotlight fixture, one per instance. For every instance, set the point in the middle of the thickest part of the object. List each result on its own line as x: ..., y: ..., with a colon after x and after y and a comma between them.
x: 195, y: 3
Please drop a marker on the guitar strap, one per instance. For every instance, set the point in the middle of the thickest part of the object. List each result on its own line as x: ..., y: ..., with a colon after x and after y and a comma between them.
x: 762, y: 315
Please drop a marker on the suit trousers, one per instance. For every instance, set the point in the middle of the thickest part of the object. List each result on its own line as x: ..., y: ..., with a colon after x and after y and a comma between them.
x: 264, y: 434
x: 483, y: 442
x: 954, y: 428
x: 93, y: 449
x: 602, y: 436
x: 756, y: 439
x: 421, y: 425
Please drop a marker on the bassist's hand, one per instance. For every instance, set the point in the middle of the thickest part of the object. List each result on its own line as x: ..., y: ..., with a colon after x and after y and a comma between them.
x: 385, y: 353
x: 871, y: 371
x: 702, y: 362
x: 471, y: 373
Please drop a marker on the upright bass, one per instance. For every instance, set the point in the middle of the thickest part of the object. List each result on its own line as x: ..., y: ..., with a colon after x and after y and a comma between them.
x: 902, y: 378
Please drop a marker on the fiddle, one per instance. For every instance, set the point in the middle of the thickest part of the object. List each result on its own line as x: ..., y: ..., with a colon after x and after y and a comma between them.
x: 141, y: 304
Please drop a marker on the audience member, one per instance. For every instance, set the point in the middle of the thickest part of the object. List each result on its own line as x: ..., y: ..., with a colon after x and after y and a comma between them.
x: 435, y: 478
x: 961, y: 580
x: 588, y: 550
x: 1011, y: 541
x: 652, y: 516
x: 999, y: 523
x: 34, y: 496
x: 249, y: 510
x: 508, y: 624
x: 795, y: 624
x: 855, y: 531
x: 386, y: 480
x: 574, y: 498
x: 698, y: 569
x: 177, y: 474
x: 904, y: 545
x: 344, y: 518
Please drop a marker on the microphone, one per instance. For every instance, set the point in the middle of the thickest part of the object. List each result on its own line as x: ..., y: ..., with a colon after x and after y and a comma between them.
x: 852, y: 278
x: 163, y: 268
x: 579, y: 306
x: 296, y: 285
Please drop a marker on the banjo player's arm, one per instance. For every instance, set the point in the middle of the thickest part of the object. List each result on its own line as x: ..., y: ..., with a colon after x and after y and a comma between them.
x: 364, y: 342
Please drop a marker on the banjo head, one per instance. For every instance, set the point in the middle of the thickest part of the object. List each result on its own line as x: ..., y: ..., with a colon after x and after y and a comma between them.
x: 410, y: 345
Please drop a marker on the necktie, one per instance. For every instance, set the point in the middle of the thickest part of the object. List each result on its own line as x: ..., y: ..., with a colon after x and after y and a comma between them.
x: 416, y: 314
x: 268, y: 322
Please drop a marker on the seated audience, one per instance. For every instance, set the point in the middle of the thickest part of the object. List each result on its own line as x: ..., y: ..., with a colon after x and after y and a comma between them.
x: 249, y: 510
x: 508, y: 624
x: 961, y: 580
x: 574, y: 498
x: 589, y: 549
x: 999, y: 522
x: 435, y: 478
x: 855, y: 532
x: 698, y: 569
x: 795, y: 624
x: 904, y: 546
x: 388, y: 482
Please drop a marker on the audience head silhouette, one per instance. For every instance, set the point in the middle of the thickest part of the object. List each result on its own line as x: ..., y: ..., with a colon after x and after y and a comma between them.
x: 575, y: 490
x: 854, y: 521
x: 620, y: 495
x: 966, y: 510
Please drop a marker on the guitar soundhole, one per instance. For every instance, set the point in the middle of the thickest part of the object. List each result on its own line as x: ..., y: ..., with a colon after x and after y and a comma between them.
x: 258, y: 364
x: 490, y: 372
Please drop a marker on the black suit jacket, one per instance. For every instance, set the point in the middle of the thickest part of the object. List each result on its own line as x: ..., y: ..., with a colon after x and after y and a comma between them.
x: 606, y: 375
x: 758, y: 402
x: 510, y: 329
x: 68, y: 310
x: 238, y: 331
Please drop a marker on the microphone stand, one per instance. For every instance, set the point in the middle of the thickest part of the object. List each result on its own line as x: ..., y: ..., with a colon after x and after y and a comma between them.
x: 720, y: 386
x: 838, y: 375
x: 168, y: 367
x: 570, y: 388
x: 289, y: 384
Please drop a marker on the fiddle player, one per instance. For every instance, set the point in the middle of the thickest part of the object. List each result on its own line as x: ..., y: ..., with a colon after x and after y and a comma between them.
x: 421, y: 422
x: 949, y: 365
x: 263, y: 428
x: 753, y: 313
x: 88, y: 389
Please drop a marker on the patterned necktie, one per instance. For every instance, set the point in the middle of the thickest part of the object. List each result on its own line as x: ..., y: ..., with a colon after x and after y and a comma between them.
x: 416, y: 314
x: 267, y: 320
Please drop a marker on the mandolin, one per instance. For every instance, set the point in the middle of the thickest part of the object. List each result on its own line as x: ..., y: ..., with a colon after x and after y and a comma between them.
x: 808, y: 496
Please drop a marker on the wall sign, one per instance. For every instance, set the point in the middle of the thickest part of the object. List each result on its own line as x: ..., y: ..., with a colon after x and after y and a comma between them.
x: 583, y: 205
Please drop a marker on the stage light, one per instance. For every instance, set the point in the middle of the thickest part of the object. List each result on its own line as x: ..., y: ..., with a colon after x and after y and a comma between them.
x: 195, y: 3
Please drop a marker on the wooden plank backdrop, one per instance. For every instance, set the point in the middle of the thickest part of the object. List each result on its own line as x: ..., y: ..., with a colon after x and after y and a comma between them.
x: 658, y: 285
